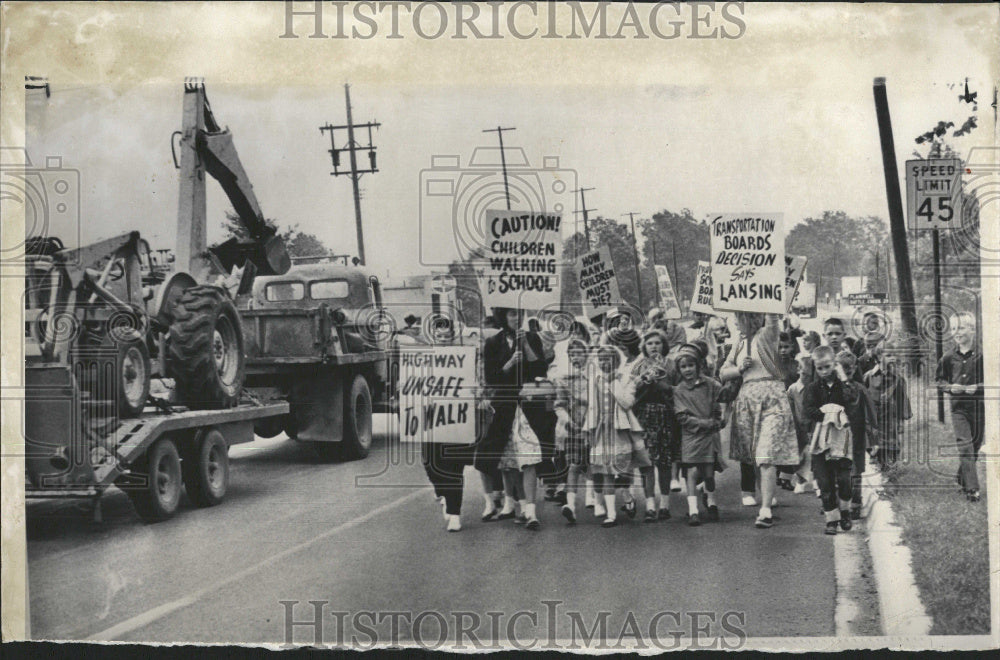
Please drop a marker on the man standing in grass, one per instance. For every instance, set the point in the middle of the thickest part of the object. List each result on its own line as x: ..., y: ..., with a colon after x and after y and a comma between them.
x: 960, y: 374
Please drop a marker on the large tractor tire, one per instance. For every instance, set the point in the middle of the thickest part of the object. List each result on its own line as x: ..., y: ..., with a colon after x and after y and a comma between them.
x: 205, y: 349
x: 159, y: 499
x: 357, y: 420
x: 205, y: 468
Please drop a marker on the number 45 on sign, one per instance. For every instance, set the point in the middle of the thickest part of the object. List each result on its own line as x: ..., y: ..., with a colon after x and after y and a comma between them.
x: 934, y: 193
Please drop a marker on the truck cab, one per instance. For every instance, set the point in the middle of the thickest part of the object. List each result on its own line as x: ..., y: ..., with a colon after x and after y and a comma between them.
x: 317, y: 336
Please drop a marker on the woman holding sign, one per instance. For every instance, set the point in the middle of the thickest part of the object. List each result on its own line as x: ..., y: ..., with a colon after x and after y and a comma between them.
x: 763, y: 429
x: 511, y: 359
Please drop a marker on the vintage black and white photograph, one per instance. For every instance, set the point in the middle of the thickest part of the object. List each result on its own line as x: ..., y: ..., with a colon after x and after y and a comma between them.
x: 574, y: 326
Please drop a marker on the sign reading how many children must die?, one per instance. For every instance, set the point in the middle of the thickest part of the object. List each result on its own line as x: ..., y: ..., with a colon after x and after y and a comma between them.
x: 598, y: 282
x: 436, y: 394
x: 748, y: 262
x: 523, y: 252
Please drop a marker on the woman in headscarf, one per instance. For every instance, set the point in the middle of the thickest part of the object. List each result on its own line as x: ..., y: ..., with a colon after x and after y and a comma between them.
x: 763, y: 429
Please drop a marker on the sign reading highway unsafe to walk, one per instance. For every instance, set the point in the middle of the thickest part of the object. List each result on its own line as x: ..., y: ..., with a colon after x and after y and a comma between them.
x: 598, y: 282
x: 523, y: 252
x: 748, y: 262
x: 934, y: 193
x: 436, y: 402
x: 701, y: 300
x: 668, y: 299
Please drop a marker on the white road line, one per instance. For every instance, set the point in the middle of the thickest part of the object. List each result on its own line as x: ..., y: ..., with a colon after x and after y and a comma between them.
x: 149, y: 616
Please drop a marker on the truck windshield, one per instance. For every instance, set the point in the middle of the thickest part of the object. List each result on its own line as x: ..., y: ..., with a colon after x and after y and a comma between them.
x: 329, y: 289
x: 284, y: 291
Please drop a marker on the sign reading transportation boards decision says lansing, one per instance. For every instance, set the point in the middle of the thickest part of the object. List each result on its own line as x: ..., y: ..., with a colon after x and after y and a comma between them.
x: 748, y: 262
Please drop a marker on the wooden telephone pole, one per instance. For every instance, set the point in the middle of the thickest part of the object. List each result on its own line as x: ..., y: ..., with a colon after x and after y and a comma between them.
x: 352, y: 147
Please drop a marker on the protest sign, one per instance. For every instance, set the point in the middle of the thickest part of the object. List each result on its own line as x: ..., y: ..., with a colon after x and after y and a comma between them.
x: 598, y: 282
x: 795, y: 267
x: 523, y: 251
x: 668, y: 299
x: 748, y: 262
x: 701, y: 300
x: 436, y: 402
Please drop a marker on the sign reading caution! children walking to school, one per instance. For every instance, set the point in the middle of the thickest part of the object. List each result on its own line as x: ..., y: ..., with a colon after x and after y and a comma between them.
x: 523, y: 253
x: 748, y: 262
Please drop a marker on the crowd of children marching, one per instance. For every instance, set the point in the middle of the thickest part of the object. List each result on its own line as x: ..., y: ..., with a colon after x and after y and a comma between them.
x: 801, y: 412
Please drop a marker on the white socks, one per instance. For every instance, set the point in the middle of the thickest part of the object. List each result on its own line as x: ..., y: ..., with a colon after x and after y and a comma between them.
x: 609, y: 504
x: 692, y: 504
x: 650, y: 504
x: 528, y: 509
x: 489, y: 503
x: 765, y: 512
x: 508, y: 504
x: 571, y: 500
x: 710, y: 494
x: 454, y: 523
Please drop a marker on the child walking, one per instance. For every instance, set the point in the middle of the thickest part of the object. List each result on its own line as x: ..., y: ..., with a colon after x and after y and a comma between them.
x: 826, y: 402
x: 696, y: 401
x: 571, y: 412
x: 615, y: 433
x: 892, y: 405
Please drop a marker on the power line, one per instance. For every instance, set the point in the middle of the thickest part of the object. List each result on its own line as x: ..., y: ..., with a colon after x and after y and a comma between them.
x: 635, y: 253
x: 503, y: 160
x: 352, y: 147
x: 584, y: 210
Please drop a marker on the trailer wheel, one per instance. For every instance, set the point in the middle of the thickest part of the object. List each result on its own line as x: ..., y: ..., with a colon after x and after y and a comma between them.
x: 205, y: 351
x: 357, y: 420
x: 133, y: 373
x: 159, y: 499
x: 206, y: 469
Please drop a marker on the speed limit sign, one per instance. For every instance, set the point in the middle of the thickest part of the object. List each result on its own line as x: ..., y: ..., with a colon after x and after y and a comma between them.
x: 934, y: 193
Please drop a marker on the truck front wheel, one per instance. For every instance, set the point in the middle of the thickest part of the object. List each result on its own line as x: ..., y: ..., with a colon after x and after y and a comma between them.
x: 357, y: 420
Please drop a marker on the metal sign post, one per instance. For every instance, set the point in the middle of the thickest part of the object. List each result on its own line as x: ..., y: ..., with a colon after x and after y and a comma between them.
x: 934, y: 202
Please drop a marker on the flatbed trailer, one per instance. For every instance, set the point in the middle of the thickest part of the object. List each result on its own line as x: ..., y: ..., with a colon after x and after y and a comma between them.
x: 74, y: 449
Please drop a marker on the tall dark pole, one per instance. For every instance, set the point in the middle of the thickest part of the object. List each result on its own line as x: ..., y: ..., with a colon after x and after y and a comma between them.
x: 938, y: 332
x: 635, y: 253
x: 503, y: 161
x: 897, y: 224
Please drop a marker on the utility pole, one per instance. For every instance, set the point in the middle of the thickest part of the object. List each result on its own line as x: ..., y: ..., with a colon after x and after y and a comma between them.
x: 897, y: 223
x: 653, y: 246
x: 584, y: 210
x: 503, y: 159
x: 635, y: 253
x: 352, y: 147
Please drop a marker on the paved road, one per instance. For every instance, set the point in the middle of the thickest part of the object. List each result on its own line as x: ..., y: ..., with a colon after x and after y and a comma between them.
x: 294, y: 529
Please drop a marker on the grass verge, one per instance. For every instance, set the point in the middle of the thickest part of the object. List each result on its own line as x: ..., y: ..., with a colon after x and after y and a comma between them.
x: 947, y: 536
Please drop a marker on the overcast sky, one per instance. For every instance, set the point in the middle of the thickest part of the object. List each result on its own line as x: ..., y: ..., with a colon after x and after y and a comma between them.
x: 780, y: 120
